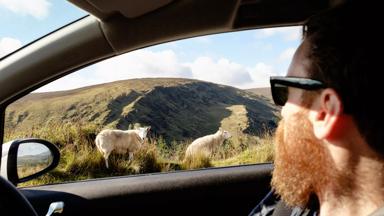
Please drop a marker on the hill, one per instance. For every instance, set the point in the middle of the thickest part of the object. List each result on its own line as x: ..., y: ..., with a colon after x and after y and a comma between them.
x: 263, y: 92
x: 176, y: 109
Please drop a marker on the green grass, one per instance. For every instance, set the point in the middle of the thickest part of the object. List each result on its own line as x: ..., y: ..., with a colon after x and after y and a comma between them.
x: 196, y: 162
x: 260, y: 153
x: 80, y: 159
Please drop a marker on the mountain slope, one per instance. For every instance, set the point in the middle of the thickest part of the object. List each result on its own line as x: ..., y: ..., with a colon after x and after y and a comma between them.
x: 176, y: 109
x: 264, y: 92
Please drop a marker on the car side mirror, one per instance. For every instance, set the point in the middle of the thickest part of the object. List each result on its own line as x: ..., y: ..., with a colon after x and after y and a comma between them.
x: 26, y: 159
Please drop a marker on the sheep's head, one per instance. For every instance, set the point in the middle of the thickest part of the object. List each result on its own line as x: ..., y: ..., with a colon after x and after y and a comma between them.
x: 143, y: 131
x: 226, y: 134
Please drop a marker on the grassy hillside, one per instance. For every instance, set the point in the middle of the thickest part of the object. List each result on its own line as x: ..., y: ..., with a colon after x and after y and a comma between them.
x: 263, y: 92
x: 178, y: 111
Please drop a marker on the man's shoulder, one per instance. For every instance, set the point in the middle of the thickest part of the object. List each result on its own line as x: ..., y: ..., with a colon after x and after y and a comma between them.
x: 266, y: 206
x: 271, y: 205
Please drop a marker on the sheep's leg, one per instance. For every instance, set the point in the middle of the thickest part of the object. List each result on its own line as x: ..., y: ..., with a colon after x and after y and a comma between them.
x: 130, y: 156
x: 106, y: 156
x: 106, y: 163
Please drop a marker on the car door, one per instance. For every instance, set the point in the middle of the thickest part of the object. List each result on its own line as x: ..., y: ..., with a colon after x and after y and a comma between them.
x: 158, y: 179
x: 228, y: 190
x: 225, y: 191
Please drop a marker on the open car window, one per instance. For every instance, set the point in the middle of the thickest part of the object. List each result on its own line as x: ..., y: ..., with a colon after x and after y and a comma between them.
x: 195, y: 103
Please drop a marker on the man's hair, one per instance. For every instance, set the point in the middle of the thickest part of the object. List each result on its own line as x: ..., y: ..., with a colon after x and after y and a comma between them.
x: 346, y: 54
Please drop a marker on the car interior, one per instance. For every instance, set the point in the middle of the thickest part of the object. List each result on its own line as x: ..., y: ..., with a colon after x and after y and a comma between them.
x: 115, y: 27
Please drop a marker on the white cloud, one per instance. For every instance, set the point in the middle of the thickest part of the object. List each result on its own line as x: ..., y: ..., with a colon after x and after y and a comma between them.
x: 287, y: 54
x: 36, y: 8
x: 8, y: 45
x: 136, y: 64
x: 146, y: 63
x: 142, y: 63
x: 222, y: 71
x: 71, y: 81
x: 288, y: 33
x: 260, y: 75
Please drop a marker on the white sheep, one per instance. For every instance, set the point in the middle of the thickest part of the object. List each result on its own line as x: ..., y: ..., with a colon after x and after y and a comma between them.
x: 120, y: 142
x: 206, y: 144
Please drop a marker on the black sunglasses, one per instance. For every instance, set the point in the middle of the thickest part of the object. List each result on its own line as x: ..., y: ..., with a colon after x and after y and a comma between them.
x: 280, y: 84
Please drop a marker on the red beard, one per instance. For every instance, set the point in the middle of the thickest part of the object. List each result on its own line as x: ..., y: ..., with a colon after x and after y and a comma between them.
x: 302, y: 164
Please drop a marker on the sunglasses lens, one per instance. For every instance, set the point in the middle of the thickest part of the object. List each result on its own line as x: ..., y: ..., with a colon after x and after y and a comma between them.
x: 280, y: 94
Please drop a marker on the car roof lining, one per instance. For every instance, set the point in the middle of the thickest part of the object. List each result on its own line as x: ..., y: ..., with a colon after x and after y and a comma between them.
x: 127, y: 8
x: 178, y: 21
x: 259, y: 12
x: 265, y: 13
x: 166, y: 20
x: 68, y: 49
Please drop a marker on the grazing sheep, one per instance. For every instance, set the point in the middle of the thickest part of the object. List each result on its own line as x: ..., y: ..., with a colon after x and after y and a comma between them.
x: 206, y: 144
x: 120, y: 142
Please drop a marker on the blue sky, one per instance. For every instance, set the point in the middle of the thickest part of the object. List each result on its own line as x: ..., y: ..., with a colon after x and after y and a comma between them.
x: 28, y: 20
x: 242, y: 59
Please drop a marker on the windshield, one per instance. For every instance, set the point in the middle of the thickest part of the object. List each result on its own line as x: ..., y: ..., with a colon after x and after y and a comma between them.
x: 22, y: 21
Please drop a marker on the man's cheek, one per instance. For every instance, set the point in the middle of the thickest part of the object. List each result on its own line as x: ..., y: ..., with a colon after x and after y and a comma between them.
x: 282, y: 134
x: 290, y: 109
x: 279, y: 137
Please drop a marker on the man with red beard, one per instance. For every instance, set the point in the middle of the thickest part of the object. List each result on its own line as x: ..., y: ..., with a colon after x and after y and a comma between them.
x: 329, y: 149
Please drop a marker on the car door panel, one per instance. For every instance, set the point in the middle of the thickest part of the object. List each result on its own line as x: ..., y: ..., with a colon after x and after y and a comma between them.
x: 216, y: 191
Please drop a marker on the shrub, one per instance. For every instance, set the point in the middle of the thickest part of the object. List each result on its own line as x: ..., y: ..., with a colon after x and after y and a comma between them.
x: 197, y: 161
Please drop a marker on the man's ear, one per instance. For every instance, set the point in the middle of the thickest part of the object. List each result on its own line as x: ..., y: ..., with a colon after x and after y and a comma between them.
x: 326, y: 114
